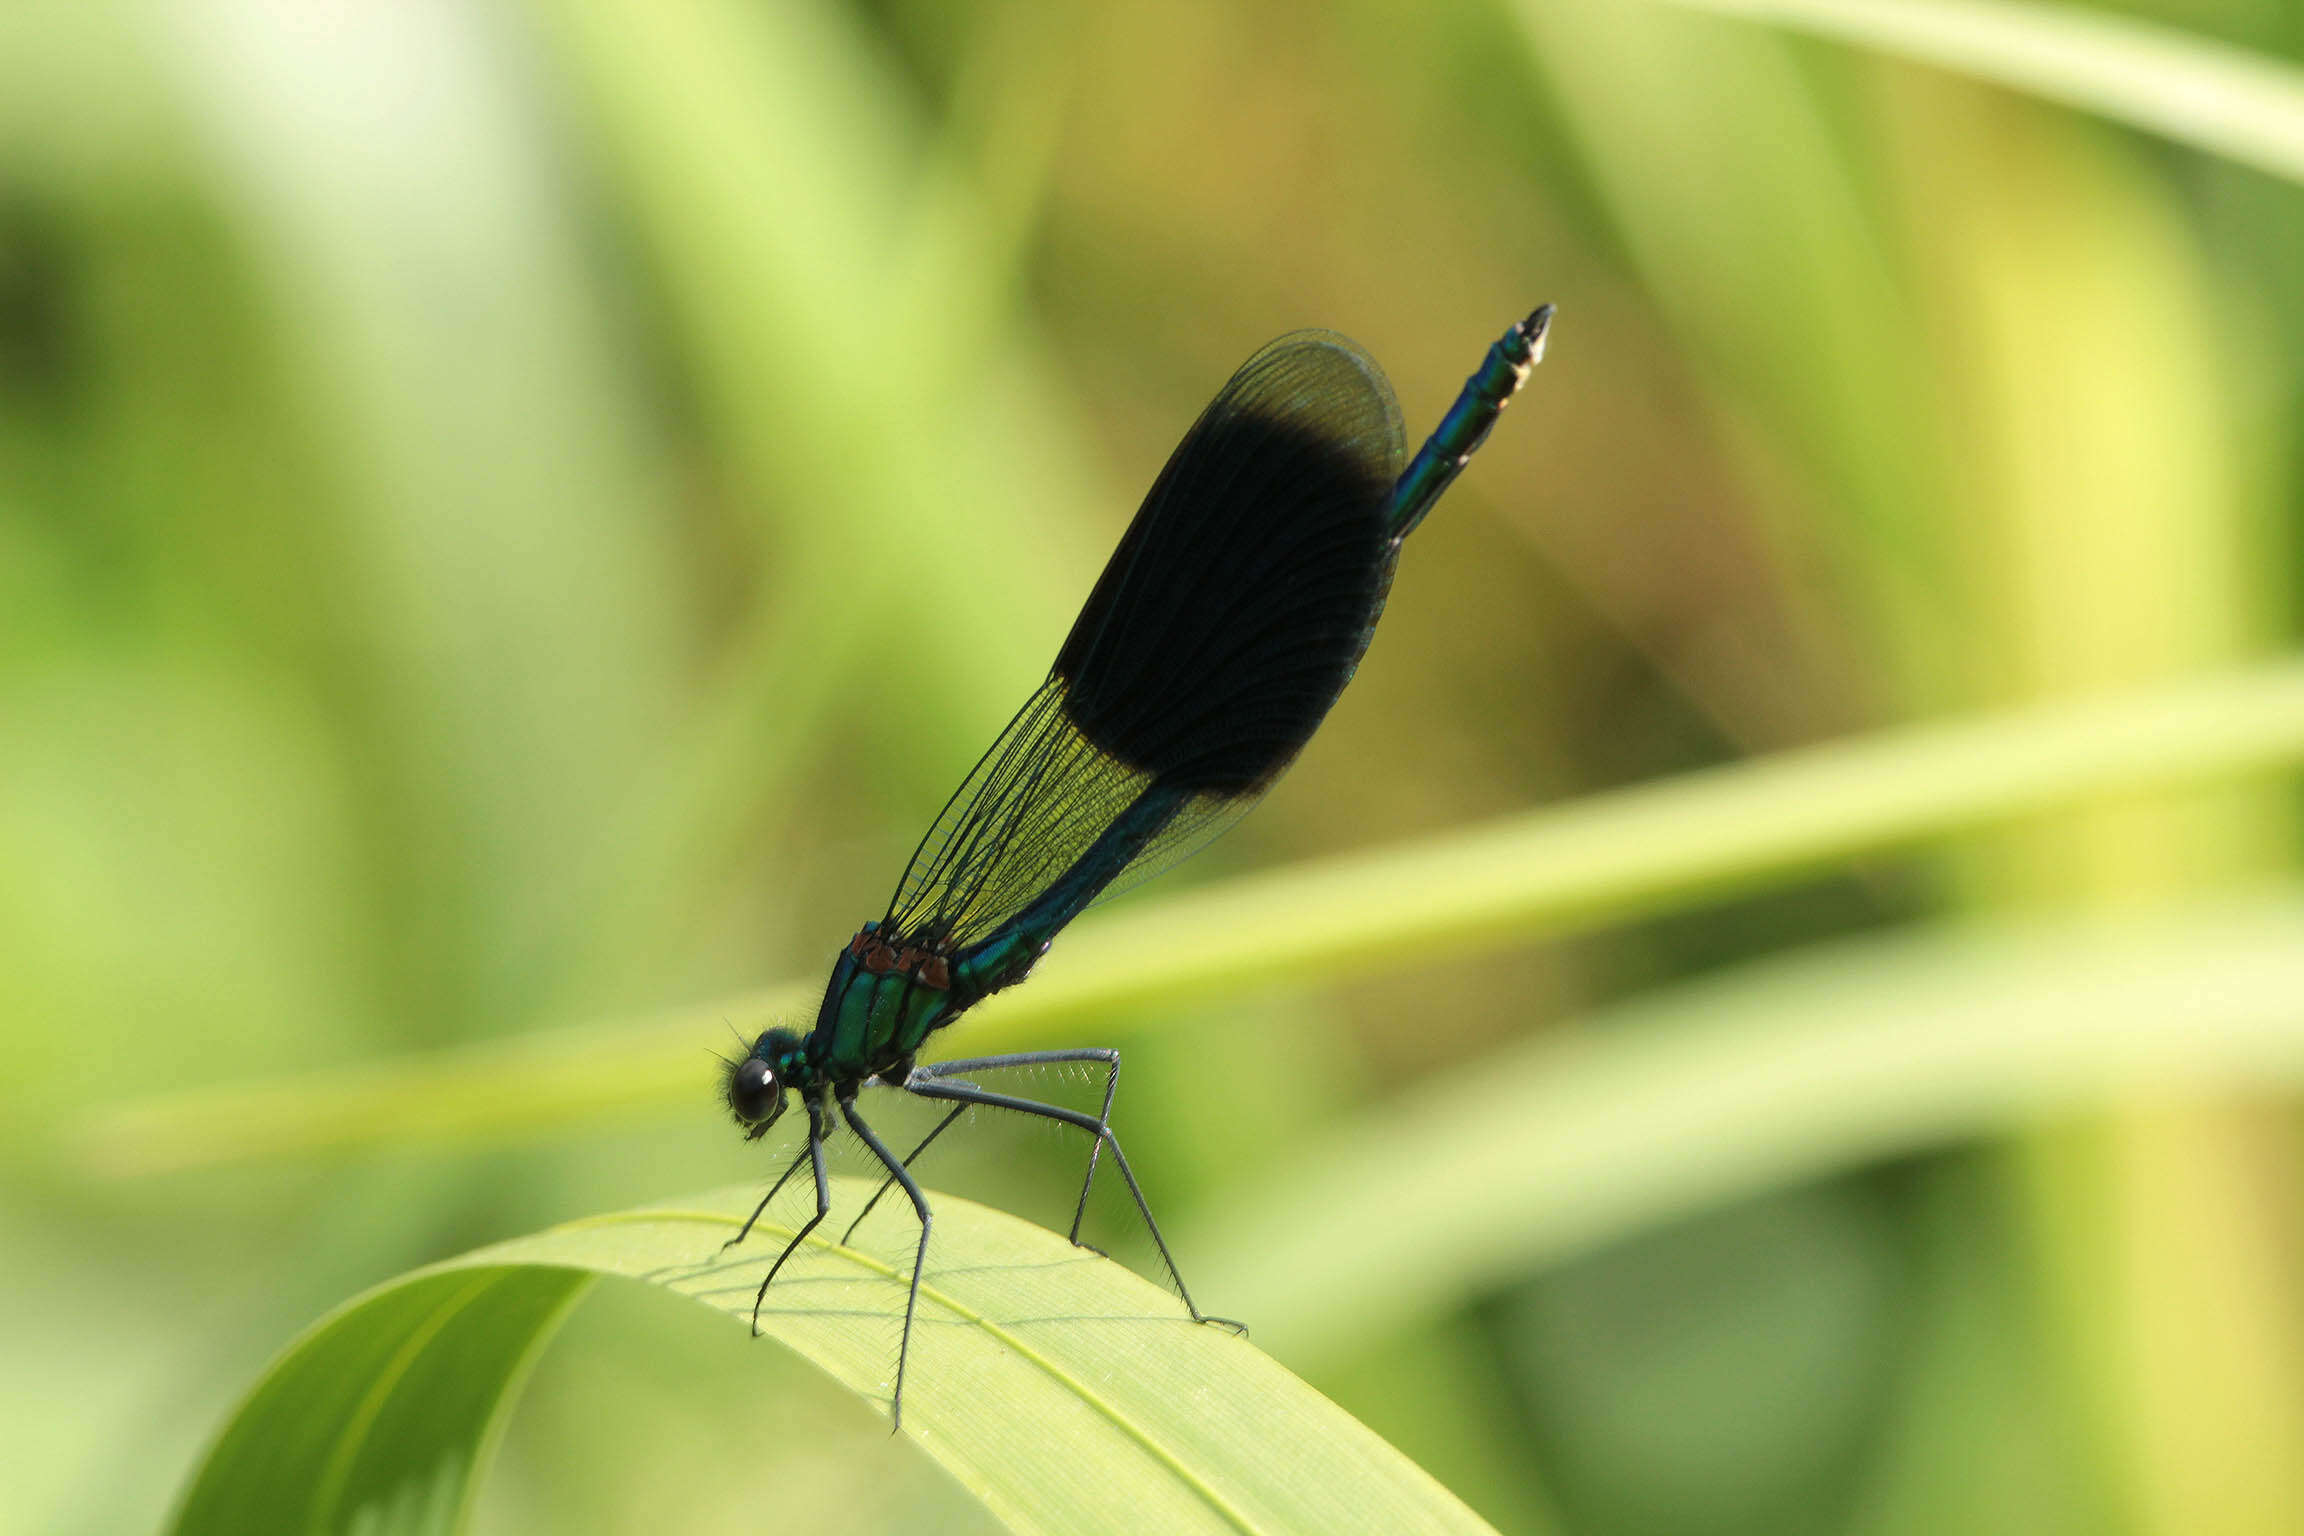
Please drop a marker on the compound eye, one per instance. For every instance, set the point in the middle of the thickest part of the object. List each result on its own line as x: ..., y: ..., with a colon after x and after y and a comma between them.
x: 753, y: 1092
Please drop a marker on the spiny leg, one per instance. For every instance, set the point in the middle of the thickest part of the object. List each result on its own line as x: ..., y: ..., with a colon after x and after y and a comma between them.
x: 823, y: 1206
x: 910, y: 1158
x: 926, y: 1086
x: 901, y: 1175
x: 774, y: 1190
x: 1102, y: 1053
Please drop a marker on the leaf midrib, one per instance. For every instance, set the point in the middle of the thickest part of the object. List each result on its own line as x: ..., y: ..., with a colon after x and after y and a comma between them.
x: 338, y: 1473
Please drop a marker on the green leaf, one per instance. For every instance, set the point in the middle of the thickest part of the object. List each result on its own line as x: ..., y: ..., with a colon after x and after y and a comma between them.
x: 1062, y: 1390
x: 1776, y: 1074
x: 383, y: 1416
x: 1565, y: 869
x: 2206, y: 94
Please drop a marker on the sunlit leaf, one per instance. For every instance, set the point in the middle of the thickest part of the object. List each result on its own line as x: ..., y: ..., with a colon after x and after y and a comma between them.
x: 2196, y: 91
x: 1062, y: 1390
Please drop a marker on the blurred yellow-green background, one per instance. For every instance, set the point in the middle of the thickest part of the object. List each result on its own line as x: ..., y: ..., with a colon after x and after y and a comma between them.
x: 513, y: 516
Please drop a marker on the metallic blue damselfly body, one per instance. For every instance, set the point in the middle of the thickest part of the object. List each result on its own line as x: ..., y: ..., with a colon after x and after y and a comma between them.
x: 1232, y: 615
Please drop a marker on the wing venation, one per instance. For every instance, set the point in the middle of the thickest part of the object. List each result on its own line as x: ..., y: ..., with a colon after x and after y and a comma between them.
x: 1224, y: 626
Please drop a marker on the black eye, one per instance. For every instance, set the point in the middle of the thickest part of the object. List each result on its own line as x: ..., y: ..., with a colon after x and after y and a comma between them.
x: 753, y: 1092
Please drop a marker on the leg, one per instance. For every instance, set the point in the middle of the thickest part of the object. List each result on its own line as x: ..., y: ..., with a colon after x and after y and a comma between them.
x: 774, y: 1190
x: 1104, y: 1054
x: 927, y: 1087
x: 901, y: 1175
x: 910, y: 1158
x: 823, y: 1205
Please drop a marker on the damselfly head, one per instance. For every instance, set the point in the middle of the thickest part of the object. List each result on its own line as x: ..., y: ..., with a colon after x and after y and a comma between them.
x: 756, y: 1085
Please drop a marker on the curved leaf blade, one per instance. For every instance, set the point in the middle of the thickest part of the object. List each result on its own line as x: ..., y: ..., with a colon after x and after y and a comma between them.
x: 2225, y: 100
x: 1062, y: 1390
x: 382, y: 1418
x: 1777, y: 1073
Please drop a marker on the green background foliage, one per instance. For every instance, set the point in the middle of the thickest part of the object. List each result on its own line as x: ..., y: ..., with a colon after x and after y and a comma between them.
x: 1772, y: 1005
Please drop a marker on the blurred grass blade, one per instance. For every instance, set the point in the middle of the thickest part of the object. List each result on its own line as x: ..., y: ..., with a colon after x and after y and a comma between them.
x: 1060, y: 1389
x: 1665, y: 846
x: 493, y: 457
x: 1720, y: 161
x: 1784, y: 1072
x: 2206, y: 94
x: 806, y: 226
x: 1637, y: 851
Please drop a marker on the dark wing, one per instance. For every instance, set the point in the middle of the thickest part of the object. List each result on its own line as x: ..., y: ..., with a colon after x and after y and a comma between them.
x: 1230, y: 617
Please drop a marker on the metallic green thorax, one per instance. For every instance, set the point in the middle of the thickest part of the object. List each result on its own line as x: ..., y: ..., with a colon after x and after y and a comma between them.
x: 884, y: 999
x: 889, y: 992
